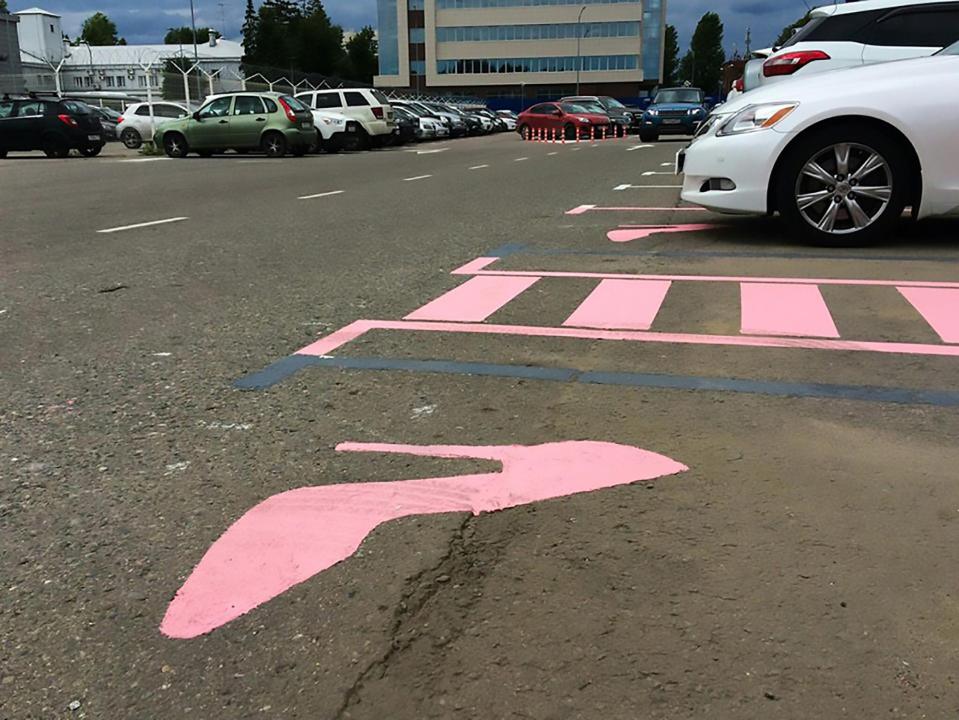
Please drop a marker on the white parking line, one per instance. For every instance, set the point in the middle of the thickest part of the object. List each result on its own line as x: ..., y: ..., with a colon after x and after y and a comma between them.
x: 429, y: 152
x: 553, y: 153
x: 669, y: 164
x: 319, y: 195
x: 145, y: 224
x: 417, y: 177
x: 520, y: 159
x: 625, y: 186
x: 478, y: 167
x: 575, y: 149
x: 644, y: 187
x: 142, y: 160
x: 654, y: 172
x: 638, y: 147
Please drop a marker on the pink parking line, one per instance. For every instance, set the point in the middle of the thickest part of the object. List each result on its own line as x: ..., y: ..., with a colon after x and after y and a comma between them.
x: 621, y: 304
x: 781, y: 309
x: 473, y: 268
x: 939, y: 307
x: 475, y: 300
x: 579, y: 210
x: 354, y: 330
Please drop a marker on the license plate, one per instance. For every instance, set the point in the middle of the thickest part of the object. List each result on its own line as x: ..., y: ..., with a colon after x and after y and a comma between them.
x: 671, y: 121
x: 93, y: 138
x: 680, y: 161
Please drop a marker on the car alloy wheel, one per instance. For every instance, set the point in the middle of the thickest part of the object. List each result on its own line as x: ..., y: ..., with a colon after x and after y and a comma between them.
x: 174, y: 145
x: 131, y: 139
x: 844, y: 188
x: 274, y: 145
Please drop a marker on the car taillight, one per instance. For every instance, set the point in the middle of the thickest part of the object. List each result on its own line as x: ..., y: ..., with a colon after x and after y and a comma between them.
x: 120, y: 120
x: 738, y: 84
x: 377, y: 112
x: 291, y: 116
x: 67, y: 120
x: 788, y: 63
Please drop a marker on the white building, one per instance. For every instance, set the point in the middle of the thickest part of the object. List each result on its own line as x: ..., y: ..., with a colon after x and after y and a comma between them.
x: 116, y: 68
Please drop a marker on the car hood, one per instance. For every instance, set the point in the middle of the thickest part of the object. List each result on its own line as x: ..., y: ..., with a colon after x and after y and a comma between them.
x: 676, y: 106
x: 844, y: 83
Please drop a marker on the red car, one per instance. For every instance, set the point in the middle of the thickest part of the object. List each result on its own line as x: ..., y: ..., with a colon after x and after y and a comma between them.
x: 564, y: 119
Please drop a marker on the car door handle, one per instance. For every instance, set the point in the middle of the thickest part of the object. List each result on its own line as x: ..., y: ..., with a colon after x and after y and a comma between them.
x: 261, y: 119
x: 224, y: 122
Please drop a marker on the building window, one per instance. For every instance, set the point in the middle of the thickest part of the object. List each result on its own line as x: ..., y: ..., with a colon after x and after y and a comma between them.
x: 556, y: 31
x: 416, y: 5
x: 418, y: 67
x: 121, y: 81
x: 109, y: 81
x: 141, y: 81
x: 590, y: 63
x: 470, y: 4
x: 653, y: 20
x: 78, y: 82
x: 418, y: 35
x: 388, y: 37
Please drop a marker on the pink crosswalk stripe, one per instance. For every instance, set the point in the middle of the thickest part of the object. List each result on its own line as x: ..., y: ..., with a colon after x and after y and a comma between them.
x: 621, y: 305
x: 939, y: 307
x: 792, y: 310
x: 475, y: 300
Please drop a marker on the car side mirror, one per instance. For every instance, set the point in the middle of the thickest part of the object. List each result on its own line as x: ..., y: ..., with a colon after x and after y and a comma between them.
x: 196, y: 116
x: 557, y: 112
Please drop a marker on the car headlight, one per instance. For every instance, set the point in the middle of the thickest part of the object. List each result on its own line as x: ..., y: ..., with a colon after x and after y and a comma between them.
x: 696, y: 111
x: 757, y: 117
x: 653, y: 112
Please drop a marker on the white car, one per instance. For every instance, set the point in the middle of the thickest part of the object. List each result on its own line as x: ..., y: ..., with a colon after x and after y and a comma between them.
x: 859, y: 33
x: 334, y: 131
x: 133, y: 126
x: 369, y: 107
x: 832, y: 154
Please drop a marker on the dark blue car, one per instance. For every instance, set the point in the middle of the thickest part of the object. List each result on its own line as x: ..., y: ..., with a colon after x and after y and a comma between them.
x: 675, y: 111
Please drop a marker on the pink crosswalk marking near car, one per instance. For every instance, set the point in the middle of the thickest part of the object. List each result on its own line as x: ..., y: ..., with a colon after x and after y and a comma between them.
x: 783, y: 309
x: 621, y: 305
x: 939, y: 307
x: 475, y: 300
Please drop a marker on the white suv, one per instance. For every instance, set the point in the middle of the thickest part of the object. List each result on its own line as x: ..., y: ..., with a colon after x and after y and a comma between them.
x: 369, y: 107
x: 133, y: 127
x: 860, y: 33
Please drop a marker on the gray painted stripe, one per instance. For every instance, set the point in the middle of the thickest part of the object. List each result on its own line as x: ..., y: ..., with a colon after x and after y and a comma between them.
x: 288, y: 366
x: 518, y: 249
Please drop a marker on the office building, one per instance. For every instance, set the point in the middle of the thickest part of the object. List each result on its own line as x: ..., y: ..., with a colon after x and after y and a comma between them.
x: 536, y: 48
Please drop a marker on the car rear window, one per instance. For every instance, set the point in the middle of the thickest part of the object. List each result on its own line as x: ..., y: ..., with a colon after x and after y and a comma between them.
x: 295, y: 105
x: 834, y: 28
x: 77, y: 108
x: 380, y: 97
x: 6, y: 109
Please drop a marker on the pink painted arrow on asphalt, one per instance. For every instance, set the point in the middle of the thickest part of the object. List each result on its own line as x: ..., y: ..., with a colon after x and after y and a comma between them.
x: 290, y: 537
x: 638, y: 232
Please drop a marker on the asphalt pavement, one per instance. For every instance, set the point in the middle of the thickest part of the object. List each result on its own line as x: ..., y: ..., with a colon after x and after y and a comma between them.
x: 761, y: 523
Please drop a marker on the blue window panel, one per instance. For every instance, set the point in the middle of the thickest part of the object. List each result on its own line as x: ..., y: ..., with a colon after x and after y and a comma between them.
x: 418, y: 67
x: 416, y: 4
x: 389, y: 45
x: 589, y: 63
x: 555, y: 31
x: 652, y: 38
x: 417, y: 35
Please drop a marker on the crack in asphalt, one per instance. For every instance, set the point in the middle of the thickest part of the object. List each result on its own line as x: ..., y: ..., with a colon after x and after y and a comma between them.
x: 413, y: 599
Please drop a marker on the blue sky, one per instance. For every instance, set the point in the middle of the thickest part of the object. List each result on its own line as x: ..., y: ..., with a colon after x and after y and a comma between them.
x: 145, y: 21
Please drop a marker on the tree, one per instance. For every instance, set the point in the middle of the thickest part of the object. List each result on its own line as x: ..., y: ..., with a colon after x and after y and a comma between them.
x: 250, y: 24
x: 3, y: 6
x: 706, y: 56
x: 789, y: 30
x: 670, y: 56
x: 184, y: 36
x: 98, y: 29
x: 362, y: 62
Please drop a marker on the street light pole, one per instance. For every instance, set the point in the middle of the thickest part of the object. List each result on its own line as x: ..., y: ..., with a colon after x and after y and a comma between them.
x: 579, y: 36
x: 196, y: 54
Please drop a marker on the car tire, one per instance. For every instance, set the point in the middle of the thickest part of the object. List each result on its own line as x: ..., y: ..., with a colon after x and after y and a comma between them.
x: 54, y: 147
x: 525, y: 132
x: 570, y: 132
x: 844, y: 215
x: 359, y: 140
x: 273, y: 145
x: 131, y: 139
x: 91, y: 151
x: 175, y: 145
x: 648, y: 137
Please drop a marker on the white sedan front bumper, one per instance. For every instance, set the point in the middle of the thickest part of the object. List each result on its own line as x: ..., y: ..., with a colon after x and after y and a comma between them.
x: 741, y: 163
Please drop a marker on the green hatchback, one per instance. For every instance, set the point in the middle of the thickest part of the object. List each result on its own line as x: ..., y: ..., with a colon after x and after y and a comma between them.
x: 241, y: 121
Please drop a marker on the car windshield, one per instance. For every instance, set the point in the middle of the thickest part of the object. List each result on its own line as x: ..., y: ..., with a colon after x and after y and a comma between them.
x: 575, y: 107
x: 679, y: 96
x: 593, y: 106
x: 950, y: 50
x: 412, y: 109
x: 613, y: 103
